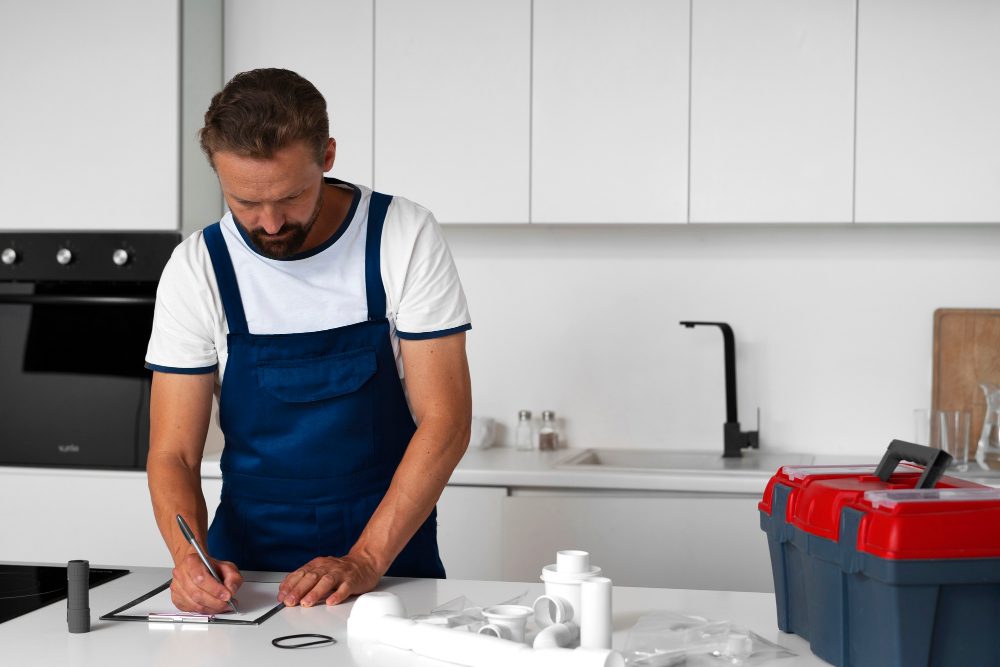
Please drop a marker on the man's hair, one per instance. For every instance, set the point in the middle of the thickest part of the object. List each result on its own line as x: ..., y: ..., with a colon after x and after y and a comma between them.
x: 262, y: 111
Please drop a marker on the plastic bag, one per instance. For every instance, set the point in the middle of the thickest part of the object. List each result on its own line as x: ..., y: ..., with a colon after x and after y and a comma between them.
x: 667, y: 639
x: 461, y: 613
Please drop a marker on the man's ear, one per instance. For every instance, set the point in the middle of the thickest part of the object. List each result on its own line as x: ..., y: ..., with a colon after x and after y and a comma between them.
x: 330, y: 154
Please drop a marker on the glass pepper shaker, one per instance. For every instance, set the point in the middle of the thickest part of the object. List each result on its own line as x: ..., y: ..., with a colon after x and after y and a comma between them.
x: 548, y: 432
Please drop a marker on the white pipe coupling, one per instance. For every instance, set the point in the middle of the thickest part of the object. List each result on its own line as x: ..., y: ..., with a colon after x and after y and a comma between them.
x: 552, y: 609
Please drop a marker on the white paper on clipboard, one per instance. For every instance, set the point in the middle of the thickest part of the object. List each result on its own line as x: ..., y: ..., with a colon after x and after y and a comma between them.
x: 256, y: 600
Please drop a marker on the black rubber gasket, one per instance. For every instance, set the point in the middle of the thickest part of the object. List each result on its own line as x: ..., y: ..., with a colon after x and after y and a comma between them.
x: 321, y: 640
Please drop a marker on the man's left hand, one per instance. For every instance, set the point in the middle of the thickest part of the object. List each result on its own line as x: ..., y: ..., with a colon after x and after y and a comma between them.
x: 328, y: 578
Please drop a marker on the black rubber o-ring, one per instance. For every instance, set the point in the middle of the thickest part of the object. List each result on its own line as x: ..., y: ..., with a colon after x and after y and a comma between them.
x: 321, y: 640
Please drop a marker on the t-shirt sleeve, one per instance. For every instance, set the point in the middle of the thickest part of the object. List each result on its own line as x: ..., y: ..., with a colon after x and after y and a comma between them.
x: 422, y: 283
x: 183, y: 336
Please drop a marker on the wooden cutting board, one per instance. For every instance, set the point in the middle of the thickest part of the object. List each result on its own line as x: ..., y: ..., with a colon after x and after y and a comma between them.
x: 966, y: 354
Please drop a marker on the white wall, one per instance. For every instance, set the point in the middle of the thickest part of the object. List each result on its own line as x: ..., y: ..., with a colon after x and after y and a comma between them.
x: 833, y: 327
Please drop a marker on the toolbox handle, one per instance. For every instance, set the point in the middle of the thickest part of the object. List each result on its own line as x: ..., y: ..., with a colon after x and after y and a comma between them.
x: 935, y: 462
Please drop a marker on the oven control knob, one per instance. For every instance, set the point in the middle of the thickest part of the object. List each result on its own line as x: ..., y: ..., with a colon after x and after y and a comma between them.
x: 121, y: 257
x: 64, y: 256
x: 9, y: 256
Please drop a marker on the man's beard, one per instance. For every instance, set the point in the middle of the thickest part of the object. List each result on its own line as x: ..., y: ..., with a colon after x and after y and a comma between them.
x: 289, y: 238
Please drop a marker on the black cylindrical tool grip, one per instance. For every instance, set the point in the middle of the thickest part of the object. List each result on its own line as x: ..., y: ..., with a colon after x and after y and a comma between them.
x: 78, y: 596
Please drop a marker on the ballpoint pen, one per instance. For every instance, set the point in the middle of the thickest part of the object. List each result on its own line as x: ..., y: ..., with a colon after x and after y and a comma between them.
x: 189, y: 536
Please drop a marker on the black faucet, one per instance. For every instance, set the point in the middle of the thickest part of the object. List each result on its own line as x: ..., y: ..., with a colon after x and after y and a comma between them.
x: 734, y: 441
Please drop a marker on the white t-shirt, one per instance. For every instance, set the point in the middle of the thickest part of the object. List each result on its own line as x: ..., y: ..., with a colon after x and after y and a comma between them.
x: 317, y: 290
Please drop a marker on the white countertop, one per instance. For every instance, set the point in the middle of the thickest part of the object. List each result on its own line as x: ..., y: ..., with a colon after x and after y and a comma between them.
x: 509, y: 467
x: 41, y: 637
x: 504, y: 466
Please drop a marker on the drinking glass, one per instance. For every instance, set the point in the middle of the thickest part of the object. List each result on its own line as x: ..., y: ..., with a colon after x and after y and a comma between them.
x: 953, y: 431
x: 927, y: 427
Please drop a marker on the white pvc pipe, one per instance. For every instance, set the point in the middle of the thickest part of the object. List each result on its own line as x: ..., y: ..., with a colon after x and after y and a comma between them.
x: 595, y: 613
x: 466, y: 648
x: 564, y: 657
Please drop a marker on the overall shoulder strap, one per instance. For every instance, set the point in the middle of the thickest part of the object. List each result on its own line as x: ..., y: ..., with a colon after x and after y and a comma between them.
x: 374, y: 289
x: 225, y: 276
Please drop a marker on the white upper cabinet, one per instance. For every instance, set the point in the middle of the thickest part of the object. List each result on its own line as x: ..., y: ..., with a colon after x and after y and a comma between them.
x: 928, y: 111
x: 452, y: 107
x: 89, y: 125
x: 328, y: 42
x: 772, y: 110
x: 610, y: 111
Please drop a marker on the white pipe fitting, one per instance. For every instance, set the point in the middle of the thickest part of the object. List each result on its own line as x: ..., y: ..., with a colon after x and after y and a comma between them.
x: 494, y: 631
x: 511, y: 618
x: 550, y: 609
x: 557, y: 635
x: 572, y: 561
x: 562, y: 579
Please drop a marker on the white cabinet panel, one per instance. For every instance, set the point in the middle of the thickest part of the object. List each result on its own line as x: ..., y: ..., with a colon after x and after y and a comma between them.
x: 452, y: 106
x: 89, y: 127
x: 928, y: 111
x: 469, y: 531
x: 699, y: 542
x: 610, y: 111
x: 328, y: 42
x: 772, y: 110
x: 53, y: 516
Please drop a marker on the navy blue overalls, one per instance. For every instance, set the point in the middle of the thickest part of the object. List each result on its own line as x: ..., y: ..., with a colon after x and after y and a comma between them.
x: 315, y: 424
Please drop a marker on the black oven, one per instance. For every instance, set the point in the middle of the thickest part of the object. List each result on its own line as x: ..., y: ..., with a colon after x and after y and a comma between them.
x: 76, y: 310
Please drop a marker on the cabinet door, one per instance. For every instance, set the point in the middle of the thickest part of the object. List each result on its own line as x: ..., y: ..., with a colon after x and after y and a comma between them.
x: 469, y: 531
x: 452, y: 106
x: 90, y: 115
x: 772, y: 110
x: 928, y: 111
x: 328, y: 42
x: 610, y: 111
x: 687, y: 541
x: 59, y: 515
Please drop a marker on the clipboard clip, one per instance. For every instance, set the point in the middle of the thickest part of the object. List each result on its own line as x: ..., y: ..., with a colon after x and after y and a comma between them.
x: 181, y: 617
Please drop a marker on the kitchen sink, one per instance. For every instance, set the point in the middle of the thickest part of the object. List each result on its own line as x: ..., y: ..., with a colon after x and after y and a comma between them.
x: 661, y: 460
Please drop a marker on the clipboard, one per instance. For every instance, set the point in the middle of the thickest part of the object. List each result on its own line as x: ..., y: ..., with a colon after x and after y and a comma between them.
x: 175, y: 616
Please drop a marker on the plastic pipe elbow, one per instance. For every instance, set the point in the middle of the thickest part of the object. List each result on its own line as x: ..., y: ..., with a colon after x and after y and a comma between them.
x: 557, y: 635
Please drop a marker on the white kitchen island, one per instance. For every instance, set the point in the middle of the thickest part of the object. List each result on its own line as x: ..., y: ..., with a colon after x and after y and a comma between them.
x: 41, y: 637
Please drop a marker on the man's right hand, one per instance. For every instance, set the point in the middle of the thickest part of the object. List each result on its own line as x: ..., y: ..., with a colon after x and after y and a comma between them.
x: 194, y: 589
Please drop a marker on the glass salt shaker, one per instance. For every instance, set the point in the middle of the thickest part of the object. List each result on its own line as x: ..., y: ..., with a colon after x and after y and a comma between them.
x: 548, y: 433
x: 524, y: 431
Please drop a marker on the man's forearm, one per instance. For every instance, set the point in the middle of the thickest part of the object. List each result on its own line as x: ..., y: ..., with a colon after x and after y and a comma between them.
x: 431, y: 457
x: 175, y: 489
x: 180, y: 406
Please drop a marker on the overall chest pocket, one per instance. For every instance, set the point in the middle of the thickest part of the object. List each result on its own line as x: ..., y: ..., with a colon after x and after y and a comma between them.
x: 319, y: 378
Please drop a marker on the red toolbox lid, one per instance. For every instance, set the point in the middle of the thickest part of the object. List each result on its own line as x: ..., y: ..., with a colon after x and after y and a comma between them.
x: 938, y: 523
x: 797, y: 476
x: 955, y: 519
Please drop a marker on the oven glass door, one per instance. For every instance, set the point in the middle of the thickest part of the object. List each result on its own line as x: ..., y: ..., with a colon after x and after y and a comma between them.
x: 73, y: 388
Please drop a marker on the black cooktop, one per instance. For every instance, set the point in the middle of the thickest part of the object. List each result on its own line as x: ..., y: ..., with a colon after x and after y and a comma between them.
x: 25, y: 588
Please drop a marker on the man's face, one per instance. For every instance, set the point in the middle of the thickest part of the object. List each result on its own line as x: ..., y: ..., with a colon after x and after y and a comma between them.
x: 276, y: 200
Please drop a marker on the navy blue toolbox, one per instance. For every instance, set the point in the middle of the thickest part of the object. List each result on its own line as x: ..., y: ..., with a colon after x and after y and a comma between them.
x: 888, y: 566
